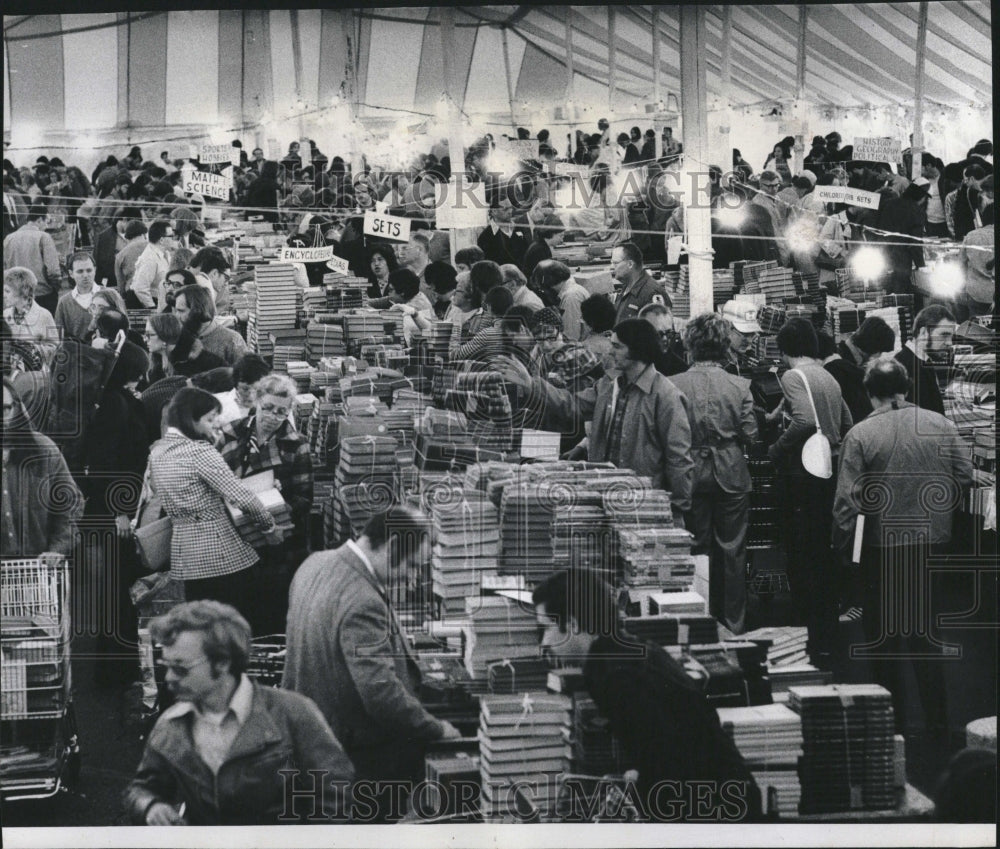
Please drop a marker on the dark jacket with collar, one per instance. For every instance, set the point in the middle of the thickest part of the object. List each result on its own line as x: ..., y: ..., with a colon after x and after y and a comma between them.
x: 635, y: 296
x: 667, y: 730
x: 284, y: 731
x: 924, y: 391
x: 501, y: 248
x: 347, y: 653
x: 850, y: 375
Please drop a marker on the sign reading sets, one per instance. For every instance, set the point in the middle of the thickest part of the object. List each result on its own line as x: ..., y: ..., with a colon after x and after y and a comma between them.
x: 877, y: 149
x: 852, y: 197
x: 390, y: 227
x: 207, y: 184
x: 321, y: 254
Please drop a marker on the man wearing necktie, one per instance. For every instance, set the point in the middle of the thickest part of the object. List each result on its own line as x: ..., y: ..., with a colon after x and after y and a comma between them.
x: 346, y: 652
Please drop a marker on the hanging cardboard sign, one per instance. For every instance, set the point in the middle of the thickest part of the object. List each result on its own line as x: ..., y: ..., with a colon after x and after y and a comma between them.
x: 338, y: 265
x: 390, y: 227
x: 207, y: 184
x: 214, y: 154
x: 460, y: 206
x: 320, y: 254
x: 852, y: 197
x: 877, y: 149
x: 273, y: 150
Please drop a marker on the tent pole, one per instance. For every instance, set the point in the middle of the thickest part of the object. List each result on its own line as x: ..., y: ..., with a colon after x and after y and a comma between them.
x: 800, y: 89
x: 612, y: 57
x: 726, y: 78
x: 347, y: 28
x: 506, y: 74
x: 657, y: 82
x: 570, y: 72
x: 297, y: 64
x: 917, y: 146
x: 456, y: 150
x: 697, y: 211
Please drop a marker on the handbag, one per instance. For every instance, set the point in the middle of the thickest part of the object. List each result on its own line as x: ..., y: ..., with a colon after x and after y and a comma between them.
x: 817, y: 456
x: 152, y: 539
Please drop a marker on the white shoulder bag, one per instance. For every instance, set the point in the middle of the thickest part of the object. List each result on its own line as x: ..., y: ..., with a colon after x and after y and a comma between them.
x: 817, y: 457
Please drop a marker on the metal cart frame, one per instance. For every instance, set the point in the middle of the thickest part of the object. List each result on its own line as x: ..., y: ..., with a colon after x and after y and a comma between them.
x: 37, y: 722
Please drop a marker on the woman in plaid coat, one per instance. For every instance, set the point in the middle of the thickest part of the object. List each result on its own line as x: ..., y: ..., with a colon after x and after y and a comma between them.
x: 194, y: 484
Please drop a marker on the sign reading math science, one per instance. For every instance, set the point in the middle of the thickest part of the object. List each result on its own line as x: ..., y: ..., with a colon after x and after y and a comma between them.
x: 852, y: 197
x: 877, y: 149
x: 206, y: 184
x: 215, y: 154
x: 320, y: 254
x: 390, y: 227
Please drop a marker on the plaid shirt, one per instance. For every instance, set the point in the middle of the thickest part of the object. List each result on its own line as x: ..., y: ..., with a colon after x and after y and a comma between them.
x: 286, y: 452
x: 194, y: 484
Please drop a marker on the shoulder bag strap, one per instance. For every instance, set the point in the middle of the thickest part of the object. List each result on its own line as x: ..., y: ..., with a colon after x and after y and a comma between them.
x: 812, y: 404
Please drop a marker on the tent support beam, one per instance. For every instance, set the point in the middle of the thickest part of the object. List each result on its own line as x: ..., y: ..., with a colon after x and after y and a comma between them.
x: 697, y: 212
x: 917, y: 146
x: 506, y: 75
x: 297, y: 62
x: 457, y: 239
x: 657, y: 81
x: 726, y: 75
x: 612, y: 57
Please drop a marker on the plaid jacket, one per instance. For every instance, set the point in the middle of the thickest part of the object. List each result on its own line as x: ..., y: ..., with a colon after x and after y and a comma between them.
x: 194, y: 484
x: 286, y: 452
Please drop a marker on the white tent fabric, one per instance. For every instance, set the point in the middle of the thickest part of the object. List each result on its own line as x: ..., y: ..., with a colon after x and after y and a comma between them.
x: 140, y: 75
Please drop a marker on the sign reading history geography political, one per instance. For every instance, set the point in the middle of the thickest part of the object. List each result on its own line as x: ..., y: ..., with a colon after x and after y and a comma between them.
x: 852, y: 197
x: 390, y: 227
x: 877, y: 149
x: 207, y: 184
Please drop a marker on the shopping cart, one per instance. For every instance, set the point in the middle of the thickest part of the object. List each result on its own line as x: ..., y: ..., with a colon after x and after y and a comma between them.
x: 39, y: 750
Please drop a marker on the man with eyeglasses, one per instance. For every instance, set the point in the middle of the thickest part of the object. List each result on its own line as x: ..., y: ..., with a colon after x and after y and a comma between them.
x: 766, y: 198
x: 228, y: 750
x: 638, y: 287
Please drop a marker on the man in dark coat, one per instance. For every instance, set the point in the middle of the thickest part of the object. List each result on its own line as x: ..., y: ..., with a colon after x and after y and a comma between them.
x: 872, y: 338
x: 687, y: 767
x: 933, y: 331
x: 904, y: 217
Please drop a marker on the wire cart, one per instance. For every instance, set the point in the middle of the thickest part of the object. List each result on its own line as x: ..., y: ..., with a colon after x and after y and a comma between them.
x: 39, y: 750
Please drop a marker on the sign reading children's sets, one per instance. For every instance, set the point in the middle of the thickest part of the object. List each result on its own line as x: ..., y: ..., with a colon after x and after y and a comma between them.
x: 391, y: 227
x: 852, y: 197
x: 207, y: 184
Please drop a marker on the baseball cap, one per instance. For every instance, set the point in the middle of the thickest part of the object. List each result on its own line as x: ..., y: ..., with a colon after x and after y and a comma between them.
x: 742, y: 315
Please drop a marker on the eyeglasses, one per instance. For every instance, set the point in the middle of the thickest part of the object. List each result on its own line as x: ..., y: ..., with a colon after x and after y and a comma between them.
x: 179, y: 670
x: 280, y: 412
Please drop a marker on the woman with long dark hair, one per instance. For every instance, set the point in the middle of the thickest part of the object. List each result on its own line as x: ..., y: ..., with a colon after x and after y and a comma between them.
x: 195, y: 484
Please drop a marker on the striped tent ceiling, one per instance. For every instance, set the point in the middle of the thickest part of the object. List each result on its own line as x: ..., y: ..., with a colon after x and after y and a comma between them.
x: 98, y: 71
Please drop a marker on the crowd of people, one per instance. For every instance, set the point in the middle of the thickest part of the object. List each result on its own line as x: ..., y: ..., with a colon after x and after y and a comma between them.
x: 185, y: 412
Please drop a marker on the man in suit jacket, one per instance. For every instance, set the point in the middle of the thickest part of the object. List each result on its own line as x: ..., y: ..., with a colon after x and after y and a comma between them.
x: 346, y: 652
x: 638, y: 287
x: 109, y: 242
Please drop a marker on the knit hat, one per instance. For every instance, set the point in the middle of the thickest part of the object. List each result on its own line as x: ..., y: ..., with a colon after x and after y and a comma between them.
x: 547, y: 317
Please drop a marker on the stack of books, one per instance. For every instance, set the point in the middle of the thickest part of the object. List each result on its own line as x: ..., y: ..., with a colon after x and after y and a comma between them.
x: 299, y: 371
x: 263, y: 485
x: 302, y: 409
x: 769, y: 737
x: 527, y: 524
x: 498, y: 628
x: 466, y: 546
x: 341, y: 295
x: 366, y: 482
x: 522, y: 675
x: 656, y: 557
x: 848, y: 747
x: 523, y: 739
x: 776, y: 284
x: 325, y: 339
x: 274, y: 306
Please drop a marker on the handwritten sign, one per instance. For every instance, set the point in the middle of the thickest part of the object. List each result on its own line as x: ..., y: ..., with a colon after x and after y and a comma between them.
x: 461, y: 205
x: 852, y: 197
x: 390, y: 227
x: 321, y: 254
x: 273, y: 150
x: 213, y: 154
x: 338, y: 265
x: 877, y: 149
x: 207, y: 184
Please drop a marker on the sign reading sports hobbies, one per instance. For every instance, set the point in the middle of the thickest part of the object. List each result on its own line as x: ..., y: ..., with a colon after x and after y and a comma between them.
x: 215, y: 154
x: 320, y: 254
x: 852, y: 197
x: 390, y: 227
x: 877, y: 149
x: 207, y: 184
x: 460, y: 206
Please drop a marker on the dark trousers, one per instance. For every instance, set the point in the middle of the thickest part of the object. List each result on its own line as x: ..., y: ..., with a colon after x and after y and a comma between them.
x: 394, y: 770
x: 718, y: 521
x: 239, y: 589
x: 899, y: 606
x: 937, y: 231
x: 812, y: 569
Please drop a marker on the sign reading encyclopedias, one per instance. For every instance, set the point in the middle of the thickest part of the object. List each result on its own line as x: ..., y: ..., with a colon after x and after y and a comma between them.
x: 320, y: 254
x: 390, y: 227
x: 207, y: 184
x: 852, y: 197
x: 877, y: 149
